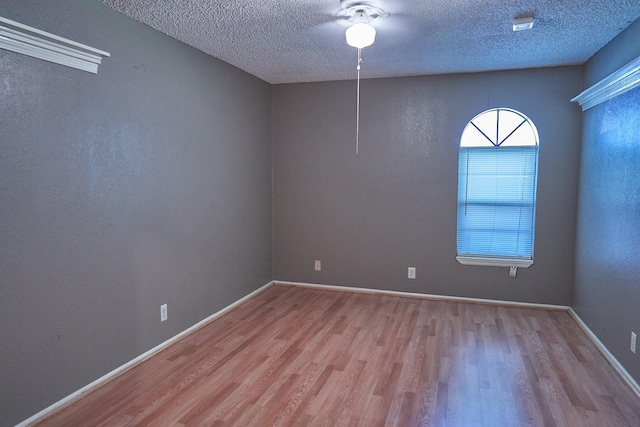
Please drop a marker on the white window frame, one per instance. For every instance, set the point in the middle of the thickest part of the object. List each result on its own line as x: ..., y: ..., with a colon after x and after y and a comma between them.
x: 501, y: 261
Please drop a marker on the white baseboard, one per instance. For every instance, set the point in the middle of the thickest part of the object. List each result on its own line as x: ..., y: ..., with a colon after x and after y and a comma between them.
x: 607, y: 354
x: 127, y: 366
x: 426, y: 296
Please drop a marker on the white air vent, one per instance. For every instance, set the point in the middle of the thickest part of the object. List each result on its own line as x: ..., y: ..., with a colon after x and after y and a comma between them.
x: 30, y: 41
x: 522, y: 24
x: 617, y: 83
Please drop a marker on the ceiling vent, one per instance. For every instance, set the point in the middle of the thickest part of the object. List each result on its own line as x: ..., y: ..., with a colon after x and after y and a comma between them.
x: 522, y: 24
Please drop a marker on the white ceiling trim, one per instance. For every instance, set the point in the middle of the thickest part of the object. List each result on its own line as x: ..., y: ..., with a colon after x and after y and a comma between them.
x: 617, y: 83
x: 39, y: 44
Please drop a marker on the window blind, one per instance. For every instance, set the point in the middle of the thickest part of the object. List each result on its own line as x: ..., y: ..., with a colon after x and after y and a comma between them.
x: 496, y: 202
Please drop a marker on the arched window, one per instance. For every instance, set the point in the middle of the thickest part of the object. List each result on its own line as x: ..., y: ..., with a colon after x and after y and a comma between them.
x: 497, y: 178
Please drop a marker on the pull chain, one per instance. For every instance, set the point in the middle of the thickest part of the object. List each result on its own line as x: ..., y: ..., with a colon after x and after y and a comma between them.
x: 358, y: 102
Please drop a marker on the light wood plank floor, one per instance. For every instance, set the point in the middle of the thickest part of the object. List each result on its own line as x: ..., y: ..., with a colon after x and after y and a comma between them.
x: 293, y: 356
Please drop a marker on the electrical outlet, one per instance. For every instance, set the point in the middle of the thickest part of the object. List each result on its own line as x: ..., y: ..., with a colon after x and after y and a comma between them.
x: 633, y: 342
x: 317, y: 266
x: 163, y: 312
x: 411, y: 273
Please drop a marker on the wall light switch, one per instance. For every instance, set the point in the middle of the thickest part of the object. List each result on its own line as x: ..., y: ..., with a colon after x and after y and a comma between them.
x: 411, y: 273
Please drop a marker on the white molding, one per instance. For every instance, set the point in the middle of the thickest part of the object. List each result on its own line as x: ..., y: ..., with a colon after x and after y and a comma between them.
x: 631, y: 382
x: 425, y: 296
x: 132, y: 363
x: 495, y: 262
x: 616, y: 83
x: 30, y: 41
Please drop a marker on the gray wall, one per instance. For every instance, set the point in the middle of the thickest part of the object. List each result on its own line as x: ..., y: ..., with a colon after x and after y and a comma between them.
x: 607, y: 277
x: 147, y: 183
x: 150, y: 183
x: 369, y: 217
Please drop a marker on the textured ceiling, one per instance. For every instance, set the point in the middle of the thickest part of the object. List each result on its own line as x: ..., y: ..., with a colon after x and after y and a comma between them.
x: 286, y: 41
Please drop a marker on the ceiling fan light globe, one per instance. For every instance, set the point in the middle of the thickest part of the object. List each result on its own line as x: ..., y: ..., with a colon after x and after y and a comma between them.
x: 360, y: 35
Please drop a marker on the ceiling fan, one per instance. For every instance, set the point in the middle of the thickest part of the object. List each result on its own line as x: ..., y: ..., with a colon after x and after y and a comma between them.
x: 361, y: 33
x: 361, y: 20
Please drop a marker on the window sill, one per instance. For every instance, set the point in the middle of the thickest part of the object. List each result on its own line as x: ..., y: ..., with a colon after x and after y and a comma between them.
x: 495, y: 262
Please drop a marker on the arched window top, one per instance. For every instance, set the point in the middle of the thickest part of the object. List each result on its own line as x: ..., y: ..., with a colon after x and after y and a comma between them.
x: 499, y: 127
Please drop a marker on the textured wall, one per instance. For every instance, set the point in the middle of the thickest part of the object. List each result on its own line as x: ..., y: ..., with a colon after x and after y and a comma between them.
x: 369, y: 217
x: 606, y: 291
x: 147, y: 183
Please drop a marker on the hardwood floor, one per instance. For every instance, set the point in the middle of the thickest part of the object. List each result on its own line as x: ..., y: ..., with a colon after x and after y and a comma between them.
x: 293, y: 356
